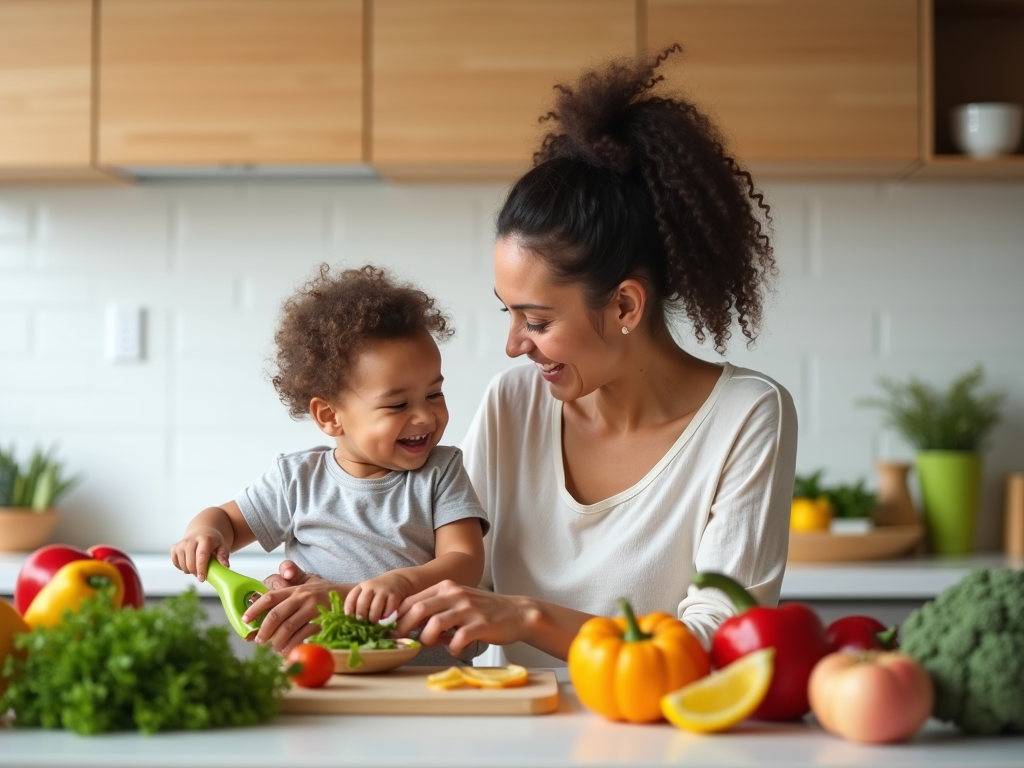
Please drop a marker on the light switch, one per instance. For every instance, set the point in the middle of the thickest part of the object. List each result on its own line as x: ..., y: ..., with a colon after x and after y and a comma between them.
x: 125, y: 330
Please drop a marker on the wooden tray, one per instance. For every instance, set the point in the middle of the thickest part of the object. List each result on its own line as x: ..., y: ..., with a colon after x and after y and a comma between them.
x: 404, y: 692
x: 881, y: 543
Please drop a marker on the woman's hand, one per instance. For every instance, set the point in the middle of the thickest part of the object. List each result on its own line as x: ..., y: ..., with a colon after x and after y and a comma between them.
x: 467, y: 614
x: 290, y: 606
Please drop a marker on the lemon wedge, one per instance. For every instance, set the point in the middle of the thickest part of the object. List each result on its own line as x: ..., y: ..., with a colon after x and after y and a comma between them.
x: 723, y: 698
x: 443, y: 681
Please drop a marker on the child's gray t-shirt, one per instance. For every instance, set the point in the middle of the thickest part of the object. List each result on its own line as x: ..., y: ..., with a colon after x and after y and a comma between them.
x: 348, y: 529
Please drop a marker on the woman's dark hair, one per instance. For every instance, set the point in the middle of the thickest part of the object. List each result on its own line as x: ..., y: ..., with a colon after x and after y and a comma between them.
x: 332, y: 318
x: 638, y: 185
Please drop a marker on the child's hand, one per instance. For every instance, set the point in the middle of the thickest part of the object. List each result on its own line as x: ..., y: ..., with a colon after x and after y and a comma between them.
x: 192, y: 554
x: 378, y: 598
x: 288, y: 575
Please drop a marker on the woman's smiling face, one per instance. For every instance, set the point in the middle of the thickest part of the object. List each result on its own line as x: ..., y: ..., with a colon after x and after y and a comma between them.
x: 550, y: 324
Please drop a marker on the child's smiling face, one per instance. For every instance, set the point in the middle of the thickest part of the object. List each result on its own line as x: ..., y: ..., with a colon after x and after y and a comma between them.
x: 393, y: 413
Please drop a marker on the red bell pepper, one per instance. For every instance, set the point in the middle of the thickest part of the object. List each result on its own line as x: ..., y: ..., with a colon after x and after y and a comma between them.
x: 793, y: 630
x: 46, y: 561
x: 860, y: 633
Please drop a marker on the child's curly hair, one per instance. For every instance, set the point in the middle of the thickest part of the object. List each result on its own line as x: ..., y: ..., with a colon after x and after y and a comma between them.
x: 332, y: 318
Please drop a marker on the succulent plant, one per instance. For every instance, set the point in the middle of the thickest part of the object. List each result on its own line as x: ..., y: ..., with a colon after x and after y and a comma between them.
x: 37, y: 486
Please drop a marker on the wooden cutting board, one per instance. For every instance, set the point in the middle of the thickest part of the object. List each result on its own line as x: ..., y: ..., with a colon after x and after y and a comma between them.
x: 404, y: 692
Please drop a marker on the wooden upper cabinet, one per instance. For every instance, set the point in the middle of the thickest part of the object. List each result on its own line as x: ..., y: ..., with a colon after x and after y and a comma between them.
x: 801, y: 86
x: 46, y: 78
x: 459, y: 85
x: 212, y: 82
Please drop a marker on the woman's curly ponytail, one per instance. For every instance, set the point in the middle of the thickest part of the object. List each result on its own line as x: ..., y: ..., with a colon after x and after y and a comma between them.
x: 634, y: 184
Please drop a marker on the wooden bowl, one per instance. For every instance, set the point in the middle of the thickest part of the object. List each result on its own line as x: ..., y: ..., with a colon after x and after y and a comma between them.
x: 376, y: 661
x: 880, y: 543
x: 22, y: 530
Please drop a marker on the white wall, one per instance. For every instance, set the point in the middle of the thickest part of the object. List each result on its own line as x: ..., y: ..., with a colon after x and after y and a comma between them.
x: 876, y: 280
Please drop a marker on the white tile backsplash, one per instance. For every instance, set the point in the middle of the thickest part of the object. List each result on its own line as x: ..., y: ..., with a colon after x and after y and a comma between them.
x: 875, y: 279
x: 15, y: 333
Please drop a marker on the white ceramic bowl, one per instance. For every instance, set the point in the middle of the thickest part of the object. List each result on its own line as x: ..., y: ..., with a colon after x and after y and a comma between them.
x: 985, y: 130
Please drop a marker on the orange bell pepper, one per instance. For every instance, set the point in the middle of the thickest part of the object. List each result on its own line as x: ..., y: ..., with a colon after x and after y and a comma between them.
x: 622, y: 667
x: 70, y: 585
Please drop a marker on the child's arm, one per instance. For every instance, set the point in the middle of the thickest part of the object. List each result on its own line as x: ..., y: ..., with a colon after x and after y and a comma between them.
x: 458, y: 557
x: 214, y: 532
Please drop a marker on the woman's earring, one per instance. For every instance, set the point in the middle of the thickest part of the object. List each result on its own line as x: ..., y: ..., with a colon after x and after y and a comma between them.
x: 625, y: 331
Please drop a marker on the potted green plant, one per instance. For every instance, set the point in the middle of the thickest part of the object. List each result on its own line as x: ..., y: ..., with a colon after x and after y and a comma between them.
x: 948, y: 429
x: 28, y: 498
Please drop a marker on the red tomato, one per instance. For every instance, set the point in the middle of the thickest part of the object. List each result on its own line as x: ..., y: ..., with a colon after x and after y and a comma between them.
x: 873, y: 697
x: 316, y: 665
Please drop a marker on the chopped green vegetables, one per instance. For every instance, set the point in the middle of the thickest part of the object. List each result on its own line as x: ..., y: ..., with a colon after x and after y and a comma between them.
x: 151, y: 669
x: 342, y: 632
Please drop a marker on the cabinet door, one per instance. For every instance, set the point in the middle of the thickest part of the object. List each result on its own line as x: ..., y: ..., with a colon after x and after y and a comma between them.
x: 459, y: 85
x: 45, y: 89
x: 230, y: 82
x: 800, y: 85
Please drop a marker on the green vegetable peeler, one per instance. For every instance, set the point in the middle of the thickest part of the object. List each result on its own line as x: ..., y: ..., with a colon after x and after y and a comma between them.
x: 237, y: 593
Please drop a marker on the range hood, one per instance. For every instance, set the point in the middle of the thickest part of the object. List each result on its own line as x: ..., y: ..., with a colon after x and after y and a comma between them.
x: 235, y: 171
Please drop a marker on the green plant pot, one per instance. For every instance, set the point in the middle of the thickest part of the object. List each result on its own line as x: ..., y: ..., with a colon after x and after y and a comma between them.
x: 950, y: 489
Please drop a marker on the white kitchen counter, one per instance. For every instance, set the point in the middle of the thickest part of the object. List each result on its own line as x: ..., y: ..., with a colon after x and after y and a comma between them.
x: 566, y: 739
x: 909, y: 579
x: 571, y: 737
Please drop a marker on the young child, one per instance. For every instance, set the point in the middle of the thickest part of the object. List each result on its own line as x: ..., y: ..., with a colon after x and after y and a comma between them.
x: 386, y: 508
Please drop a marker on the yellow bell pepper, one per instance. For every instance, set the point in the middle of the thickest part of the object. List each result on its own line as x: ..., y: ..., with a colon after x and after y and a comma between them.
x: 622, y: 667
x: 71, y: 584
x: 11, y: 624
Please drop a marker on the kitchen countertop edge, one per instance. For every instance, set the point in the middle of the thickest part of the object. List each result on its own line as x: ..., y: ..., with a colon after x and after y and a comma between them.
x: 907, y: 579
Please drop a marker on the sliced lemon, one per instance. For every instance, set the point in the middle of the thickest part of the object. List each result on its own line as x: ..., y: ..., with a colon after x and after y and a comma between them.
x: 450, y: 678
x: 723, y: 698
x: 511, y: 676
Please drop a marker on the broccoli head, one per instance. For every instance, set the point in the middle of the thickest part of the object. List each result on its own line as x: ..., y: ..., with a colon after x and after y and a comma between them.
x: 971, y: 640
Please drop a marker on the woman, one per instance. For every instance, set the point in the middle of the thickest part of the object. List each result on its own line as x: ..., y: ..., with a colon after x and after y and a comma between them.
x: 618, y: 464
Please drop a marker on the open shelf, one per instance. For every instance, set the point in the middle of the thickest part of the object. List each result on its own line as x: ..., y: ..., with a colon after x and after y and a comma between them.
x: 972, y: 51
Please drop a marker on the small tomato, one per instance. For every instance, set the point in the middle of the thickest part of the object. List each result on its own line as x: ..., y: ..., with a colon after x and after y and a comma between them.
x: 873, y: 697
x: 315, y: 665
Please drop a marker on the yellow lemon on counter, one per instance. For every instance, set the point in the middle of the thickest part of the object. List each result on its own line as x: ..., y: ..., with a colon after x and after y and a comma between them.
x: 723, y: 698
x: 806, y: 515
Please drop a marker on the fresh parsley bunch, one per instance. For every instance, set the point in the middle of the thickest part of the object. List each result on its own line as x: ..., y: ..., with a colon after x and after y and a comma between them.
x: 152, y: 669
x: 341, y: 632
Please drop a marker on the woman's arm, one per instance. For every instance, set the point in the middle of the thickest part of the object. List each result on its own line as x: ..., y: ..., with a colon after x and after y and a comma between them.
x: 747, y: 533
x: 476, y: 614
